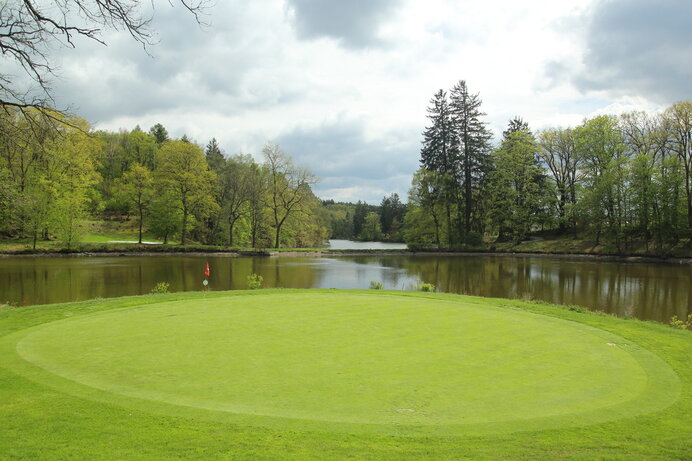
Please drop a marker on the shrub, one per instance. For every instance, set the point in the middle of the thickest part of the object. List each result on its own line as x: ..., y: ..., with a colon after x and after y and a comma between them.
x: 681, y: 324
x: 428, y: 287
x: 375, y: 285
x: 160, y: 288
x: 254, y: 281
x: 474, y: 239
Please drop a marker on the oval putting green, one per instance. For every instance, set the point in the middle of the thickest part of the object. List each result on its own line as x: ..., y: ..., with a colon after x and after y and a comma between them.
x: 392, y: 362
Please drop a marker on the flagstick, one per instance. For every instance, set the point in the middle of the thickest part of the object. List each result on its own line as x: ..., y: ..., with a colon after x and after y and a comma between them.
x: 207, y: 272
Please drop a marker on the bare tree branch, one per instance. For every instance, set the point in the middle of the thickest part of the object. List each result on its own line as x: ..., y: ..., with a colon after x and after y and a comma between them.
x: 29, y: 28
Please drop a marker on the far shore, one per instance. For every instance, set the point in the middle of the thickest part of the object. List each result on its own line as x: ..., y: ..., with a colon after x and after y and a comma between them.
x: 145, y: 250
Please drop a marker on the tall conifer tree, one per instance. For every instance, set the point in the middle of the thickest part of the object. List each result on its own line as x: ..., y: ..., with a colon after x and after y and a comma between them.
x: 473, y: 138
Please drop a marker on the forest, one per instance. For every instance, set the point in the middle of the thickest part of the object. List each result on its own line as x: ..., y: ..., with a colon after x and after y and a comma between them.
x: 621, y: 181
x: 56, y: 172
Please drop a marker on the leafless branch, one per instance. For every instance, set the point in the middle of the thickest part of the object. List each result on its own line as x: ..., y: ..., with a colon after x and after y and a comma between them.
x: 29, y: 28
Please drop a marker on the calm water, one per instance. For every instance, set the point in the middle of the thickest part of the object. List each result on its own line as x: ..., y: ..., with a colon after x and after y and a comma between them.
x: 335, y: 244
x: 642, y: 290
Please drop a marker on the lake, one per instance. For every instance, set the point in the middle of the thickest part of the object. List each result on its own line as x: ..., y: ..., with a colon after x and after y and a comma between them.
x: 648, y: 291
x: 335, y: 244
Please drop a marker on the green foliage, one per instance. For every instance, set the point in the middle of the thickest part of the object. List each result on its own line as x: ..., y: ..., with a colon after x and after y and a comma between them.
x: 159, y: 133
x: 160, y: 288
x: 182, y: 173
x: 138, y: 190
x: 165, y: 217
x: 288, y: 190
x: 681, y: 324
x: 371, y: 228
x: 474, y: 239
x: 427, y: 287
x: 375, y: 285
x: 254, y: 281
x: 516, y: 186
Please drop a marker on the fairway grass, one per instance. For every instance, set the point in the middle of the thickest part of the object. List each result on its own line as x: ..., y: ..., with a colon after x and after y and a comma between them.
x: 338, y: 373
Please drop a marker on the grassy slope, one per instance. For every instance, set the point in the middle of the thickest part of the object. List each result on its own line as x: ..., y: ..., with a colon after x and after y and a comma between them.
x: 40, y: 422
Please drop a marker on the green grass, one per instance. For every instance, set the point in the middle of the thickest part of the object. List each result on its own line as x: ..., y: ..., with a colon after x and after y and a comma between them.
x: 320, y: 374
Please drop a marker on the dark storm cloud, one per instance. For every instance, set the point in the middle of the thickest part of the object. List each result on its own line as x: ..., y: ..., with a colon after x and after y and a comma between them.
x: 355, y: 23
x: 637, y: 48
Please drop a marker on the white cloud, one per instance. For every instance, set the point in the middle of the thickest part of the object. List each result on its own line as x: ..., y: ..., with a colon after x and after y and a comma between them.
x: 348, y: 102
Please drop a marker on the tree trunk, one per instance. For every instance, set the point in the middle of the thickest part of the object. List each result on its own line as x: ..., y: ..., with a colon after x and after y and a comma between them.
x: 278, y: 234
x: 184, y: 229
x: 141, y: 219
x: 231, y: 223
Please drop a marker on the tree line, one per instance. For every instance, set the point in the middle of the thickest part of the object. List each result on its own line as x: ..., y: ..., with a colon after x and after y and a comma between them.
x: 360, y: 221
x: 56, y: 171
x: 623, y: 181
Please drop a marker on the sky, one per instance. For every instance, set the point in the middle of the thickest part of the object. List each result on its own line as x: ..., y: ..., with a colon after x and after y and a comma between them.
x: 343, y: 86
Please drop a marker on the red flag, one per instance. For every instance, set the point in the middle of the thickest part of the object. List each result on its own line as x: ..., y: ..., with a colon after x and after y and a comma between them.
x: 207, y: 271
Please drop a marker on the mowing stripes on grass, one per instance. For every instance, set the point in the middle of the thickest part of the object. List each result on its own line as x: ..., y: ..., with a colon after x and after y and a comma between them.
x: 396, y: 363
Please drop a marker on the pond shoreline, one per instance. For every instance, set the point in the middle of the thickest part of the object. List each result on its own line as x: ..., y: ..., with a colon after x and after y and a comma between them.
x: 630, y: 258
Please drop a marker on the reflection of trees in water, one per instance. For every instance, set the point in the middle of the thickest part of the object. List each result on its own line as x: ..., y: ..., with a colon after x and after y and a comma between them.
x: 647, y: 291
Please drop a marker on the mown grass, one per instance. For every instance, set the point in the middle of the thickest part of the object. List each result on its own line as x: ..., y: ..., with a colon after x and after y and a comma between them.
x: 39, y: 421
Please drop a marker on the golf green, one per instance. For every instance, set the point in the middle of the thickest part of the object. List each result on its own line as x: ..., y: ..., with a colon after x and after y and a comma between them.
x: 356, y: 361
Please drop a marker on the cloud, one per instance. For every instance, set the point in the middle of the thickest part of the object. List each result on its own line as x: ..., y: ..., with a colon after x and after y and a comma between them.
x: 635, y: 48
x: 351, y: 165
x: 194, y: 67
x: 354, y: 23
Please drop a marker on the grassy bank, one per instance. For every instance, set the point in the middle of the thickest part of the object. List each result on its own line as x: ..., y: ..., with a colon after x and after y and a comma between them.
x: 324, y: 374
x: 113, y: 236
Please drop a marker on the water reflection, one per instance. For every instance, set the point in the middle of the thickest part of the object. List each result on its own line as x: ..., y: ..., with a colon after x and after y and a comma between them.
x: 643, y: 290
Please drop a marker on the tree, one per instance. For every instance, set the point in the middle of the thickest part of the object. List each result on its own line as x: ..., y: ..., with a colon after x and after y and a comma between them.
x: 235, y: 188
x: 138, y: 186
x: 600, y: 143
x: 679, y: 122
x: 515, y: 124
x: 165, y: 215
x: 183, y: 172
x: 474, y: 153
x: 29, y: 29
x: 440, y: 152
x: 425, y: 214
x: 159, y: 133
x: 257, y: 194
x: 515, y: 185
x: 559, y: 153
x: 359, y: 214
x: 391, y: 215
x: 371, y: 229
x: 289, y: 188
x: 141, y: 147
x: 214, y: 156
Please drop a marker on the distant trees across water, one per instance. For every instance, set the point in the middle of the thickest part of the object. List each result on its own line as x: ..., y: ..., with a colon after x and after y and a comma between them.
x: 619, y: 180
x: 623, y: 181
x: 55, y: 172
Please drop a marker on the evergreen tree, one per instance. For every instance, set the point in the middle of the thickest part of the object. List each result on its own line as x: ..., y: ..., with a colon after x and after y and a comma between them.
x: 391, y: 215
x: 359, y: 217
x: 440, y: 152
x: 214, y: 156
x: 515, y: 124
x: 473, y: 138
x: 159, y: 133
